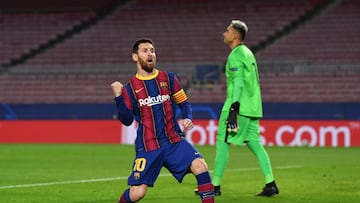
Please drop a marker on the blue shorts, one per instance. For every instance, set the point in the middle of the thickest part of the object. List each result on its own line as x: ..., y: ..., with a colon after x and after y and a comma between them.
x: 176, y: 158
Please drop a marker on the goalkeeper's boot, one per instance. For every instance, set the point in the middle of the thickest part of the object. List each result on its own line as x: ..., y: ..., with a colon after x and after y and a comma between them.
x: 269, y: 190
x: 216, y: 188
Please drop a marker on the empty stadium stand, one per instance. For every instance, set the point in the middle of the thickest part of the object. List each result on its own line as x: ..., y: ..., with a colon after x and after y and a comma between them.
x: 81, y: 67
x: 26, y: 31
x: 331, y: 38
x: 276, y: 87
x: 296, y: 87
x: 56, y: 89
x: 184, y: 31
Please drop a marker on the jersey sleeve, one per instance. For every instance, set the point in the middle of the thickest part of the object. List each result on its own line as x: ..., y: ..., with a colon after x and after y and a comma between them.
x: 180, y: 98
x: 124, y: 108
x: 236, y: 68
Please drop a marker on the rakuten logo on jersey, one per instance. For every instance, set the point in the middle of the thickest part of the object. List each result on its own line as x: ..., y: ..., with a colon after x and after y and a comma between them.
x: 150, y: 101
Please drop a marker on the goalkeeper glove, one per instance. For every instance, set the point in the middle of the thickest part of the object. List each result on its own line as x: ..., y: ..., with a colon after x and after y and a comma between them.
x: 231, y: 122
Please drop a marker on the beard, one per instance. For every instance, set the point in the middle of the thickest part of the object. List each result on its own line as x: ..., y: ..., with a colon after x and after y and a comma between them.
x: 147, y: 66
x: 226, y: 41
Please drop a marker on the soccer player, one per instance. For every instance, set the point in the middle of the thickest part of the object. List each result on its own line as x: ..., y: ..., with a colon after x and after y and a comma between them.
x: 242, y: 110
x: 150, y: 98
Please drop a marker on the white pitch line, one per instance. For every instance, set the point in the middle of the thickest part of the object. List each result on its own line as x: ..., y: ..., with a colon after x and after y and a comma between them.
x: 120, y: 178
x: 254, y: 169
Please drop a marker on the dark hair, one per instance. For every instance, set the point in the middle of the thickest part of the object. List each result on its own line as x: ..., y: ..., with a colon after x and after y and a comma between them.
x: 241, y: 31
x: 135, y: 47
x: 240, y: 27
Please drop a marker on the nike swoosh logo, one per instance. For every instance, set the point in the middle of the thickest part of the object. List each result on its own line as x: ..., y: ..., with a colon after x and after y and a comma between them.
x: 137, y: 91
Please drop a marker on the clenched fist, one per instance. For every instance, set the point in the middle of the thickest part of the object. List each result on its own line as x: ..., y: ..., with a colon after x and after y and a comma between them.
x: 187, y: 123
x: 117, y: 88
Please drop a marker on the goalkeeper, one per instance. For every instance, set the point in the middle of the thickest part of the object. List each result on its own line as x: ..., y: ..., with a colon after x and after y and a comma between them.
x: 242, y: 110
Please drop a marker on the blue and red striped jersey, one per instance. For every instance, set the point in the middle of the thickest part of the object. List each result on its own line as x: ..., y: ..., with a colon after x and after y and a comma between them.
x: 152, y: 101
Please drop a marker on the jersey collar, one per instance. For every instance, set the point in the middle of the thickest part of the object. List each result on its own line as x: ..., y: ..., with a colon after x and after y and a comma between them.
x: 156, y: 73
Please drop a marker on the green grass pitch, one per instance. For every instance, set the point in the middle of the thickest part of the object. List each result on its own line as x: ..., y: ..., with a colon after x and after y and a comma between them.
x: 98, y: 173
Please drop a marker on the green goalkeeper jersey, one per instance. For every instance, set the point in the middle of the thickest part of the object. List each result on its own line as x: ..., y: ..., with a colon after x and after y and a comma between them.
x: 242, y: 82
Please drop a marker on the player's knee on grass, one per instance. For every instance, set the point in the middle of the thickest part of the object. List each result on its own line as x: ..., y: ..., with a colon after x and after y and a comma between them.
x: 198, y: 166
x: 138, y: 192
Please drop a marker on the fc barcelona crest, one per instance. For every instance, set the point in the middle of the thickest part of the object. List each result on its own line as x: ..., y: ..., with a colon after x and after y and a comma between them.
x: 137, y: 176
x: 164, y: 85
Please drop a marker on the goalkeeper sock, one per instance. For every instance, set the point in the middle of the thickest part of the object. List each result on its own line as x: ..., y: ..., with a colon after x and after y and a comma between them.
x: 125, y: 197
x: 263, y: 159
x: 205, y: 188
